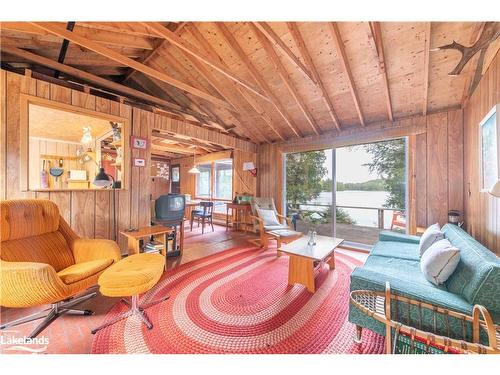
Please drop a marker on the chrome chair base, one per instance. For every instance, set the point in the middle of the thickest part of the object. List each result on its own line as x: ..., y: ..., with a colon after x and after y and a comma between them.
x: 135, y: 309
x: 52, y: 313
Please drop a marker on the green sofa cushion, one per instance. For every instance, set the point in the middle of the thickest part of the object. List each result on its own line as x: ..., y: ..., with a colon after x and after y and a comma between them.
x: 392, y: 249
x: 477, y: 277
x: 407, y: 282
x: 387, y: 235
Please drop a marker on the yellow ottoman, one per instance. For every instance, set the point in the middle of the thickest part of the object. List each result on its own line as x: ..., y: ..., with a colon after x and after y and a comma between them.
x: 131, y: 276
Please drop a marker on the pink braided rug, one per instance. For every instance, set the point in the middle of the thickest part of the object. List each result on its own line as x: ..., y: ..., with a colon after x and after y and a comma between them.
x: 238, y: 301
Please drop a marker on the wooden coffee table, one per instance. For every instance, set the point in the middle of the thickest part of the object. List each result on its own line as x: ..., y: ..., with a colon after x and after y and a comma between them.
x: 302, y: 258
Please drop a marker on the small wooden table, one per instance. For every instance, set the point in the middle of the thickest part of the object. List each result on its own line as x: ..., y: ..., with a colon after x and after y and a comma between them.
x: 159, y: 233
x: 246, y: 209
x: 302, y: 258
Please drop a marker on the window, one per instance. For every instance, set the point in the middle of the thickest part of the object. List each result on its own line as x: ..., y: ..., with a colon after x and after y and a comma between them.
x: 204, y: 181
x: 223, y: 179
x: 489, y: 138
x: 215, y: 181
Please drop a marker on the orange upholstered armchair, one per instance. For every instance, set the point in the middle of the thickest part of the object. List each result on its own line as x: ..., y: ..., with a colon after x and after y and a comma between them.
x: 42, y: 261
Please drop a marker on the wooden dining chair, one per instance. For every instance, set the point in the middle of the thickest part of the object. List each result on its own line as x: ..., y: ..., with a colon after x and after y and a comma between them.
x: 206, y: 213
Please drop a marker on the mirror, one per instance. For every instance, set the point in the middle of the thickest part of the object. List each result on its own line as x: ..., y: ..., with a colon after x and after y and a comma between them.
x: 67, y: 148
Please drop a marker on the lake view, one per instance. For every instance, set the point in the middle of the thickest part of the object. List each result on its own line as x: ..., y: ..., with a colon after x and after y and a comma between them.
x: 356, y: 198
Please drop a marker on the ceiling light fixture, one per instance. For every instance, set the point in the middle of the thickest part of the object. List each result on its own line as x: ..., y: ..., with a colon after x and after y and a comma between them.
x: 195, y: 169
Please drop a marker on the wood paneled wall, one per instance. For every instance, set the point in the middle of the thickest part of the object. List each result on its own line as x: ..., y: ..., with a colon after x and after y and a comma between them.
x: 436, y: 161
x: 438, y: 168
x: 482, y: 210
x: 88, y: 212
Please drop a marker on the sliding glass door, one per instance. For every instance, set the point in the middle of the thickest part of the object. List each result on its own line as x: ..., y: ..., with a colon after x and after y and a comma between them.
x: 370, y: 190
x: 351, y: 192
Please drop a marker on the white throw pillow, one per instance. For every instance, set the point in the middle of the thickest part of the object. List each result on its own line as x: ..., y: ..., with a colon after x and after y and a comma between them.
x: 431, y: 235
x: 269, y: 217
x: 439, y: 261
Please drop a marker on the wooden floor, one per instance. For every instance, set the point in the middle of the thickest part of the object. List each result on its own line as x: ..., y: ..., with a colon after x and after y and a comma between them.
x: 71, y: 334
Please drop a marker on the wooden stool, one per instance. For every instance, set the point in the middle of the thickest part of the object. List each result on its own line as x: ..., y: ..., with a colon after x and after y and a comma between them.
x: 130, y: 277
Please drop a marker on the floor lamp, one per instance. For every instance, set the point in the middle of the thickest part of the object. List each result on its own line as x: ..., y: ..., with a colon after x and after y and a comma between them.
x: 102, y: 179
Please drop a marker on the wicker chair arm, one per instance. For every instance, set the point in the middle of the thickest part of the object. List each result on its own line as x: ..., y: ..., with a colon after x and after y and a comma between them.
x: 259, y: 221
x: 85, y: 250
x: 26, y: 284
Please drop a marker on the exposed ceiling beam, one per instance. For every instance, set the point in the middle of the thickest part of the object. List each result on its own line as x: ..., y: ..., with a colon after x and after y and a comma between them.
x: 276, y: 40
x: 376, y: 35
x: 273, y: 56
x: 96, y: 80
x: 294, y: 30
x: 172, y: 62
x: 427, y: 45
x: 228, y: 95
x: 149, y: 55
x: 164, y: 154
x: 98, y: 48
x: 109, y: 38
x: 345, y: 65
x: 159, y: 145
x: 190, y: 50
x: 256, y: 75
x: 249, y: 99
x: 183, y: 140
x: 64, y: 48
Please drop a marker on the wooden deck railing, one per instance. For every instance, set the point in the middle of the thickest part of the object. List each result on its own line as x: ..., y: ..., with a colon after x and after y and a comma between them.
x: 380, y: 210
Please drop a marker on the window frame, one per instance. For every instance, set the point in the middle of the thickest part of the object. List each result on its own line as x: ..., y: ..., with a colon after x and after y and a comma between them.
x: 212, y: 197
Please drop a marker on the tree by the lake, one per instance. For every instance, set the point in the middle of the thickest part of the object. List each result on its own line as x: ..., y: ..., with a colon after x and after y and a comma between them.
x: 388, y: 161
x: 304, y: 174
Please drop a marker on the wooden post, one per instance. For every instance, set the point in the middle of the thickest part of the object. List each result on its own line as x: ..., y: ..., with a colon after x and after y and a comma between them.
x: 380, y: 218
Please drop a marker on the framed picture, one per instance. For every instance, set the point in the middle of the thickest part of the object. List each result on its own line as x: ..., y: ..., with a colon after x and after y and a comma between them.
x: 175, y: 174
x: 139, y: 143
x: 489, y: 138
x: 139, y: 162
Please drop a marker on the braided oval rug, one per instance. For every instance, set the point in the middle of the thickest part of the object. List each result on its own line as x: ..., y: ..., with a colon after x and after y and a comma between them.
x: 238, y: 301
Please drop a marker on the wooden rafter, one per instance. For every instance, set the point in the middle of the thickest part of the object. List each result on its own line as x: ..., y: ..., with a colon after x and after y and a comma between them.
x: 276, y: 40
x: 258, y: 78
x: 185, y: 141
x: 98, y: 48
x: 228, y: 95
x: 376, y: 35
x: 159, y: 145
x: 98, y: 81
x: 172, y: 62
x: 193, y: 52
x: 249, y: 99
x: 273, y: 56
x: 294, y: 30
x: 345, y: 64
x: 109, y: 38
x: 427, y: 45
x: 150, y: 54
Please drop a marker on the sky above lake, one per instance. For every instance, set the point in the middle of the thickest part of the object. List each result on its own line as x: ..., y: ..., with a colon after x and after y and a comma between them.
x: 350, y: 167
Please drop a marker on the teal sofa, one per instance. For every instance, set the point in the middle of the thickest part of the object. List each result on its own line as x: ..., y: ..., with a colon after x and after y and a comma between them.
x: 395, y: 258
